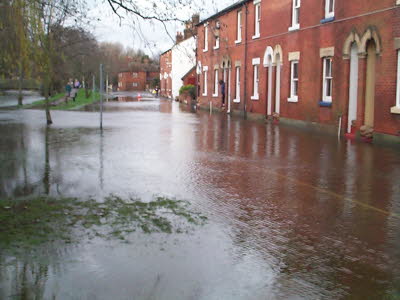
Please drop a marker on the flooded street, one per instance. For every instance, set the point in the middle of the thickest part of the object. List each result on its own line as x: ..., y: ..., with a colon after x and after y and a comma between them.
x: 10, y: 98
x: 291, y: 214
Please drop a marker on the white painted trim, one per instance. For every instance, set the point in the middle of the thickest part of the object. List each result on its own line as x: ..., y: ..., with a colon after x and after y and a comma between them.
x: 327, y: 13
x: 293, y: 99
x: 255, y: 97
x: 256, y: 61
x: 353, y: 86
x: 398, y: 2
x: 205, y: 68
x: 278, y: 88
x: 257, y: 20
x: 239, y: 25
x: 259, y: 1
x: 255, y: 36
x: 236, y: 100
x: 326, y: 98
x: 294, y: 27
x: 238, y: 41
x: 269, y: 99
x: 398, y: 80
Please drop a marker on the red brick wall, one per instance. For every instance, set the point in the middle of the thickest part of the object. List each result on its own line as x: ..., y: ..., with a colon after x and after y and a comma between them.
x: 190, y: 78
x: 128, y: 82
x: 357, y: 15
x: 165, y: 71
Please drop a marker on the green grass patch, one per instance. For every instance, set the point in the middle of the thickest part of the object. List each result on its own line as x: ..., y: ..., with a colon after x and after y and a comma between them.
x: 80, y: 101
x: 31, y: 222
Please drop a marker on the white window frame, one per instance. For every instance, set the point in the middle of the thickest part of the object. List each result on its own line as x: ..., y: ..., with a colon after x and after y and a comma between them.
x: 329, y: 13
x: 205, y: 49
x: 325, y: 78
x: 256, y: 78
x: 134, y: 74
x: 294, y: 97
x: 134, y: 84
x: 205, y: 71
x: 398, y: 80
x: 239, y: 28
x: 237, y: 85
x: 295, y: 15
x: 396, y: 109
x: 215, y: 94
x: 257, y: 18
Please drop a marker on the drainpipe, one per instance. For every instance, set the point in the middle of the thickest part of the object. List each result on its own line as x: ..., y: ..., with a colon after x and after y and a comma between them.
x: 245, y: 62
x: 197, y: 75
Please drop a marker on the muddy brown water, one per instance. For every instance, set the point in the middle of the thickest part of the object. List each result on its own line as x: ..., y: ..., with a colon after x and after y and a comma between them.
x: 292, y: 214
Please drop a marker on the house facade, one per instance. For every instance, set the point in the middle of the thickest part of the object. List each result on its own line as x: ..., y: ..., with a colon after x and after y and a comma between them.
x: 165, y: 74
x: 135, y: 80
x: 176, y: 62
x: 313, y: 61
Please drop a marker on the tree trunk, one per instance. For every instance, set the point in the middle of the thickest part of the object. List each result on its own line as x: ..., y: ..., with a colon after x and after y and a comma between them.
x: 46, y: 93
x: 20, y: 96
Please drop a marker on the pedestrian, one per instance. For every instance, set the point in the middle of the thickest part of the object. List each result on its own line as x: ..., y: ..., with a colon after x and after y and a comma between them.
x: 77, y: 84
x: 222, y: 84
x: 68, y: 89
x: 157, y: 91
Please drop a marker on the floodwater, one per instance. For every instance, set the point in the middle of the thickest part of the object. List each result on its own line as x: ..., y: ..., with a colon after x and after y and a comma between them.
x: 291, y: 214
x: 10, y: 98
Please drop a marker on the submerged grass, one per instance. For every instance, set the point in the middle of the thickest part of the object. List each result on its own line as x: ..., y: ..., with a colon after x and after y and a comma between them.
x: 30, y: 222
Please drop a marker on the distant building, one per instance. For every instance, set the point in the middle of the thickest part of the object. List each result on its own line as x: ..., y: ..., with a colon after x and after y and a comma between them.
x: 135, y: 80
x: 179, y: 60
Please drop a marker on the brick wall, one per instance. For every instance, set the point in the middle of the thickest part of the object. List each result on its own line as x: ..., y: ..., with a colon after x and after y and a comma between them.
x: 132, y: 81
x: 382, y: 18
x: 165, y: 74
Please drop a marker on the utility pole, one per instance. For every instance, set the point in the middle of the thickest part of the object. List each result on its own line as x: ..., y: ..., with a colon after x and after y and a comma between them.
x: 101, y: 96
x: 107, y: 86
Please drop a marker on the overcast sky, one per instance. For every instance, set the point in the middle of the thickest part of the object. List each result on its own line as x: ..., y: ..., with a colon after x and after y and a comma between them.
x: 149, y: 36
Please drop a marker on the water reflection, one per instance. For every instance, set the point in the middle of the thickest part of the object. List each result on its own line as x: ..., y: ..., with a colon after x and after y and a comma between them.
x: 293, y: 215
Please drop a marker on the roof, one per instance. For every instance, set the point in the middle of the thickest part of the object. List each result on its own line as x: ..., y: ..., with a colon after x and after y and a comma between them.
x: 224, y: 11
x: 190, y: 71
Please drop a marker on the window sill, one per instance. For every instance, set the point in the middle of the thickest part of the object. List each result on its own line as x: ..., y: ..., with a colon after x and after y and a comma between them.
x: 236, y: 100
x: 238, y: 41
x: 325, y: 103
x: 216, y: 48
x: 256, y: 36
x: 215, y: 95
x: 294, y: 27
x: 395, y: 110
x: 293, y: 99
x: 255, y: 97
x: 327, y: 20
x: 205, y: 50
x: 204, y: 95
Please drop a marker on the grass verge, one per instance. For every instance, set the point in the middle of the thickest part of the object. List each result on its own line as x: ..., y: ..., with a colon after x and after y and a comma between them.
x: 80, y: 101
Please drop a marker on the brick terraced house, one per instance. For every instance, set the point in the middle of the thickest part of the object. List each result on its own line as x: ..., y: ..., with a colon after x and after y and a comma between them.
x: 310, y: 62
x: 135, y: 80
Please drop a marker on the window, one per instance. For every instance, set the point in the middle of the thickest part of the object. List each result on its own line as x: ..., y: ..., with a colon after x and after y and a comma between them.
x: 134, y: 84
x: 205, y: 70
x: 257, y: 19
x: 216, y: 46
x: 215, y: 94
x: 294, y: 81
x: 205, y: 38
x: 329, y: 9
x: 295, y: 15
x: 256, y: 63
x: 237, y: 87
x: 239, y: 28
x: 134, y: 75
x: 327, y: 80
x: 398, y: 80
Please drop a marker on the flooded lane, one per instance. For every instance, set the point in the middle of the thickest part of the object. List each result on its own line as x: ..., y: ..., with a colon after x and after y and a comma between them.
x: 292, y: 215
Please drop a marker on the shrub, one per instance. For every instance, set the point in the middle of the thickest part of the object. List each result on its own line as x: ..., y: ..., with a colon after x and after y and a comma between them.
x: 190, y: 88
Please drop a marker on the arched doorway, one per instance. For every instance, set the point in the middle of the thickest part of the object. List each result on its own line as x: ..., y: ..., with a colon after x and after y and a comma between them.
x: 278, y: 63
x: 226, y: 69
x: 353, y: 86
x: 370, y: 84
x: 268, y: 63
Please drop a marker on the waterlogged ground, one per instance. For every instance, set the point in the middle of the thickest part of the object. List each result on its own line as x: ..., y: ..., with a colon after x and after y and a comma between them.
x: 10, y: 98
x: 278, y: 213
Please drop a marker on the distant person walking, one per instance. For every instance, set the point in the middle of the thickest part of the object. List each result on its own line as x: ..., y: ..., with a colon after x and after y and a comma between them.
x: 77, y: 84
x: 222, y: 84
x: 68, y: 89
